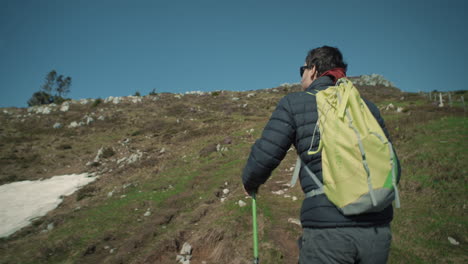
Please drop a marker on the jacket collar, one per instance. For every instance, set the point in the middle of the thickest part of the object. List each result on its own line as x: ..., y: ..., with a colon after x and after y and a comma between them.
x: 321, y: 83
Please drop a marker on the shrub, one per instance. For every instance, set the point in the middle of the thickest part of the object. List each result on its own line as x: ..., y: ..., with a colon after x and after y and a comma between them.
x: 153, y: 92
x: 87, y: 191
x: 97, y: 102
x: 137, y: 93
x: 58, y: 99
x: 64, y: 146
x: 215, y: 93
x: 40, y: 98
x: 136, y: 133
x: 107, y: 153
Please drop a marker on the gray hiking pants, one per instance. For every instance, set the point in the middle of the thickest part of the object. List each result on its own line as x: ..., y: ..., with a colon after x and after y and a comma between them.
x: 364, y: 245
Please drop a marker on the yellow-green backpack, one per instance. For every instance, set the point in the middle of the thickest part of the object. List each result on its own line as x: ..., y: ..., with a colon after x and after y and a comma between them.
x: 358, y: 163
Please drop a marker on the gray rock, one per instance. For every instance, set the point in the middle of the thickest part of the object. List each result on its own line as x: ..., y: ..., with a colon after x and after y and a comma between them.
x: 242, y: 203
x: 295, y: 221
x: 50, y: 226
x: 88, y: 120
x: 43, y: 109
x: 57, y: 125
x: 389, y: 107
x: 182, y: 259
x: 65, y: 106
x: 108, y: 99
x: 195, y: 92
x: 372, y: 80
x: 121, y: 160
x: 134, y: 157
x: 186, y: 249
x: 280, y: 192
x: 99, y: 154
x: 73, y: 124
x: 135, y: 99
x: 453, y: 241
x: 116, y: 100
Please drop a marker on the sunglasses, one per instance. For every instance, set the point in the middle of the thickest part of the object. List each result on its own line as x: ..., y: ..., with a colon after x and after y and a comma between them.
x: 303, y: 68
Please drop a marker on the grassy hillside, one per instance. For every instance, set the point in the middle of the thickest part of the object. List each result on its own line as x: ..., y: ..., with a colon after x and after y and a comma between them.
x: 186, y: 150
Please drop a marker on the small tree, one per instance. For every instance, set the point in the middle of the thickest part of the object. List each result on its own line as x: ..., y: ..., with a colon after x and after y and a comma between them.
x: 63, y: 85
x: 59, y: 85
x: 49, y: 81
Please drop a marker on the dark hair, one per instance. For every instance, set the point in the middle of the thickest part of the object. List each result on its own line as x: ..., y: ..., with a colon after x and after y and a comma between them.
x: 325, y: 58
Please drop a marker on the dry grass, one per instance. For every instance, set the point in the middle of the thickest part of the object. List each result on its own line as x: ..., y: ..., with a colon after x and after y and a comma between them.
x: 183, y: 184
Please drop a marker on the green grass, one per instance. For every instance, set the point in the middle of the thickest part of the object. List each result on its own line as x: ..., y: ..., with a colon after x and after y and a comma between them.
x: 88, y: 225
x: 436, y: 162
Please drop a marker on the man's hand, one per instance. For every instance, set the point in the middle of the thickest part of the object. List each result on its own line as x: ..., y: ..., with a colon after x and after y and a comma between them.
x: 249, y: 192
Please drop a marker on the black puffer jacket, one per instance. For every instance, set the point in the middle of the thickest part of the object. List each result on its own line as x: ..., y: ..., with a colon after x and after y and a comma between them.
x: 293, y: 122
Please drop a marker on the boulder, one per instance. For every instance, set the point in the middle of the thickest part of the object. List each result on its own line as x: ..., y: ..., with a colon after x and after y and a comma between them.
x: 453, y: 241
x: 88, y: 120
x: 134, y: 157
x: 99, y: 154
x: 116, y: 100
x: 389, y: 107
x: 73, y: 124
x: 372, y: 80
x: 186, y: 249
x: 108, y: 99
x: 65, y: 106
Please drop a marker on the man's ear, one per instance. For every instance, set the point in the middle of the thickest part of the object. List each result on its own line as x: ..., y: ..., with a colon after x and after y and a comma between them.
x: 313, y: 76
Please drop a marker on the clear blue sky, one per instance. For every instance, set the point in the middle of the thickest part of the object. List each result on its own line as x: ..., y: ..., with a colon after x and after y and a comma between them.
x: 115, y: 48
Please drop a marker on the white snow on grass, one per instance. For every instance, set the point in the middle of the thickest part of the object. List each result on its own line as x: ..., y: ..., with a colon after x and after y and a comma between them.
x: 20, y: 202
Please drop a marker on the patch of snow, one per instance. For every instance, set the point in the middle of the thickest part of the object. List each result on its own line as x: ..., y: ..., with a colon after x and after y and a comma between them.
x: 28, y: 200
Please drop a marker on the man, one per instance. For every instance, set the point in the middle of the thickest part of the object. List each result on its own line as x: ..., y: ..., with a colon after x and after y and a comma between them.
x: 328, y: 235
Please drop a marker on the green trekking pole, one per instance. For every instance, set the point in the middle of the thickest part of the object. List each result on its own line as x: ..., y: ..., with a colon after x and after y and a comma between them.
x: 254, y: 222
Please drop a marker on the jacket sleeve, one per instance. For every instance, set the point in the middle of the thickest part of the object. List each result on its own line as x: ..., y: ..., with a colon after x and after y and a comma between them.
x: 268, y: 151
x: 376, y: 113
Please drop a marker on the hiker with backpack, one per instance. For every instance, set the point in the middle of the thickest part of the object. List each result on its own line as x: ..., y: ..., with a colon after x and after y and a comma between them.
x: 346, y: 164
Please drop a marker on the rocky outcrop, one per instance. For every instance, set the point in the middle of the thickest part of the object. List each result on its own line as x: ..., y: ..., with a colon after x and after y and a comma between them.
x: 371, y: 80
